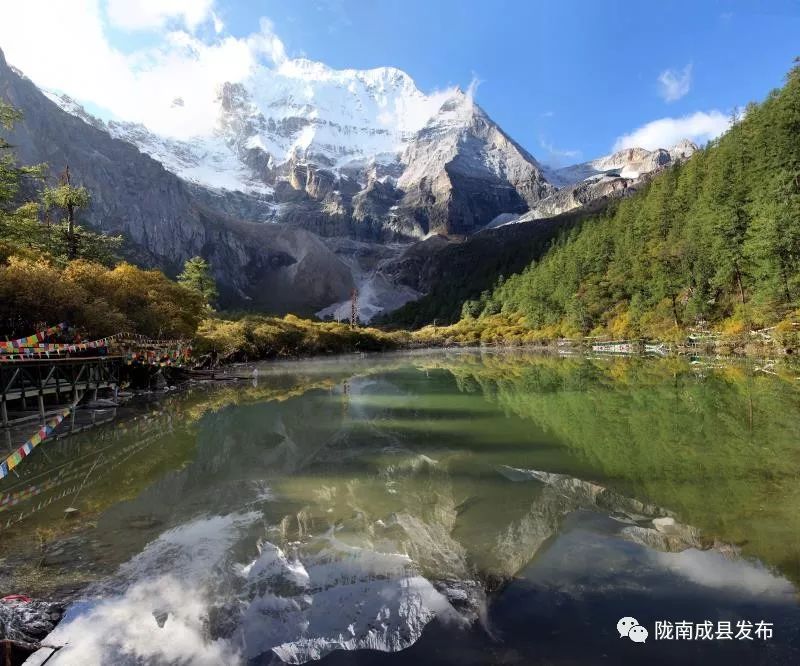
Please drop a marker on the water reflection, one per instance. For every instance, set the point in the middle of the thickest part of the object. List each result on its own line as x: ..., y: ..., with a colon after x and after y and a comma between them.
x: 438, y: 508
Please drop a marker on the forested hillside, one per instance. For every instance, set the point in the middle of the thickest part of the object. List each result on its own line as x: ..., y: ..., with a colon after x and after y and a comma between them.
x: 463, y: 271
x: 714, y: 241
x: 53, y: 269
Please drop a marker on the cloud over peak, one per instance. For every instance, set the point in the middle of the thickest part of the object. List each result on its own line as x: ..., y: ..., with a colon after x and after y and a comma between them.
x: 700, y: 127
x: 558, y: 157
x: 139, y: 86
x: 674, y: 84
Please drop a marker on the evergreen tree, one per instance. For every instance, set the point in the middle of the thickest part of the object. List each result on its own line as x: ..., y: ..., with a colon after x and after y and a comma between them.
x: 197, y: 276
x: 66, y: 240
x: 68, y: 198
x: 715, y: 240
x: 19, y: 226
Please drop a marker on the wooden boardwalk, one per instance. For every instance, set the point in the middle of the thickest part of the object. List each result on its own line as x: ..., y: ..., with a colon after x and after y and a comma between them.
x: 57, y: 379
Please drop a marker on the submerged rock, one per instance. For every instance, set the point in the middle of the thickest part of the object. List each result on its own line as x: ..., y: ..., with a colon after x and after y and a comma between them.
x: 28, y: 621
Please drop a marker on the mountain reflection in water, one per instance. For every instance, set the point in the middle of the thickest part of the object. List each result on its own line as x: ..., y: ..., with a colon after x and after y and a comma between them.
x: 459, y: 508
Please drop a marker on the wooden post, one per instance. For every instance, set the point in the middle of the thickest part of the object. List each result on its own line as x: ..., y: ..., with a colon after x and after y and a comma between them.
x: 4, y: 411
x: 41, y: 405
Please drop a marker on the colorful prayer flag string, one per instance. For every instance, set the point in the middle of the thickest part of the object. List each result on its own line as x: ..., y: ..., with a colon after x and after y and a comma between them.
x: 15, y: 458
x: 34, y: 339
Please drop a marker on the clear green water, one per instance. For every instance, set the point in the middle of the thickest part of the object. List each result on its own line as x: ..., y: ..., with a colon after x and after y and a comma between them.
x: 439, y: 507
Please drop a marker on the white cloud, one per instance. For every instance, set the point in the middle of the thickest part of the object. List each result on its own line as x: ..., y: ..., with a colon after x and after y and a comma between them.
x: 219, y: 26
x: 472, y: 88
x: 154, y: 14
x: 558, y: 157
x: 674, y: 84
x: 139, y: 86
x: 267, y: 42
x: 700, y: 127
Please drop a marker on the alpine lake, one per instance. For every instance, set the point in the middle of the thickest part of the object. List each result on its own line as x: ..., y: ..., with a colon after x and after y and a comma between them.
x: 439, y: 507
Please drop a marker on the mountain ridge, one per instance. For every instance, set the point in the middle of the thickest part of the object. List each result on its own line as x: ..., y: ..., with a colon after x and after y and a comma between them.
x: 377, y: 158
x: 256, y: 155
x: 711, y: 245
x: 163, y: 220
x: 429, y: 165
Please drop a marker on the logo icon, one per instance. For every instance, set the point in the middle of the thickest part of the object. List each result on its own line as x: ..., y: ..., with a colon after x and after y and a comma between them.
x: 630, y: 627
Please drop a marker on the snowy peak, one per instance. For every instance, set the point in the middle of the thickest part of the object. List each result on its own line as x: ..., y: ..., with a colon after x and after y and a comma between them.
x: 682, y: 150
x: 208, y: 161
x: 300, y: 111
x: 627, y: 163
x: 364, y: 154
x: 303, y: 121
x: 436, y: 143
x: 66, y: 103
x: 598, y: 180
x: 458, y: 112
x: 461, y: 170
x: 379, y: 79
x: 461, y: 138
x: 307, y: 110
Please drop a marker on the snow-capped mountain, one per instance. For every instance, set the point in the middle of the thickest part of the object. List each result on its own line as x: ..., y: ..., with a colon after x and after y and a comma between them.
x: 627, y: 163
x: 365, y: 154
x: 365, y: 146
x: 460, y: 136
x: 305, y: 109
x: 301, y: 111
x: 363, y: 159
x: 462, y: 166
x: 591, y: 183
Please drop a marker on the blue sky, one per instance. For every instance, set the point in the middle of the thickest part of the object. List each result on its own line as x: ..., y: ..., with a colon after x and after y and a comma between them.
x: 569, y: 74
x: 567, y: 79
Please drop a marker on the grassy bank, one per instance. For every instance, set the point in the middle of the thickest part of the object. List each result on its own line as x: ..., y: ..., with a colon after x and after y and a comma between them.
x: 514, y: 330
x: 254, y: 336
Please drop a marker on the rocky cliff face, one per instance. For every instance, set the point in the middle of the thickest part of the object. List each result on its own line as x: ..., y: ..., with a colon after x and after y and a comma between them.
x: 462, y: 170
x: 352, y: 153
x: 366, y: 155
x: 630, y: 163
x: 591, y: 184
x: 165, y: 220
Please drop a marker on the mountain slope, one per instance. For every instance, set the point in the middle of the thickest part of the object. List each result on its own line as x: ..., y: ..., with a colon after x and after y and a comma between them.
x: 161, y: 217
x: 627, y: 163
x: 602, y: 179
x: 449, y: 274
x: 712, y: 241
x: 301, y: 111
x: 364, y: 154
x: 462, y: 170
x: 362, y: 158
x: 344, y: 152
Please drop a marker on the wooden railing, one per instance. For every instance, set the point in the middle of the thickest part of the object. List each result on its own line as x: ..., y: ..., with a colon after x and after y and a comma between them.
x: 65, y: 378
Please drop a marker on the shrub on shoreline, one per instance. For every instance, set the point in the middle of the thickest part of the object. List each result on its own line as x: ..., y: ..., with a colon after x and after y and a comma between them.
x: 256, y: 336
